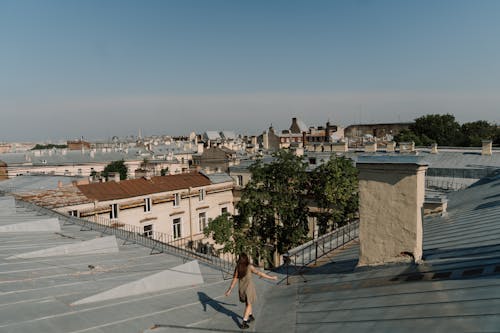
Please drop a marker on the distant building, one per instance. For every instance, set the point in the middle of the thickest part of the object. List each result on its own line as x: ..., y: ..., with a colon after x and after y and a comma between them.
x: 211, y: 138
x: 299, y: 135
x: 78, y: 145
x: 64, y: 162
x: 3, y: 171
x: 176, y: 206
x: 269, y: 140
x: 375, y: 130
x: 4, y: 147
x: 215, y: 158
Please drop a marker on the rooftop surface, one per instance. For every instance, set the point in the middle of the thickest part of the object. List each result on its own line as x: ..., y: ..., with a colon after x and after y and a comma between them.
x: 136, y: 187
x: 71, y: 157
x: 457, y: 288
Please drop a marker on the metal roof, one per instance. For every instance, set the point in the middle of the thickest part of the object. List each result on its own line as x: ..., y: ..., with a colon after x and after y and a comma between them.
x: 211, y: 135
x: 58, y: 289
x: 455, y: 289
x: 70, y: 157
x: 218, y: 178
x: 141, y: 186
x: 34, y: 182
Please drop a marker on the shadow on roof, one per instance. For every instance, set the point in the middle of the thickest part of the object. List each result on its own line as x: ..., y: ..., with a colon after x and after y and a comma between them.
x: 488, y: 205
x: 207, y: 301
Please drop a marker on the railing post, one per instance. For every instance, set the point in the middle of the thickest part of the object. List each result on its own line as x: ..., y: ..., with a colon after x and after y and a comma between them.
x: 316, y: 253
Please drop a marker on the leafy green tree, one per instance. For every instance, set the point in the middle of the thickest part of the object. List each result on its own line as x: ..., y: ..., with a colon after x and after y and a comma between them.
x: 48, y: 146
x: 442, y: 129
x: 474, y: 132
x: 496, y: 138
x: 226, y: 231
x: 334, y: 188
x: 272, y: 209
x: 407, y: 135
x: 116, y: 166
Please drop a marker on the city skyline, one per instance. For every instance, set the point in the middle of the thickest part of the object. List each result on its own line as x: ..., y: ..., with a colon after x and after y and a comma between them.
x: 94, y: 69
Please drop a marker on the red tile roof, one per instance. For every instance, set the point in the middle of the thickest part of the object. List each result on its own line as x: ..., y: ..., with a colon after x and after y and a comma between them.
x: 137, y: 187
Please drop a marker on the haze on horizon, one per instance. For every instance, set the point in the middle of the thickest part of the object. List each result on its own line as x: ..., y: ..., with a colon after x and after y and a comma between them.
x: 103, y: 68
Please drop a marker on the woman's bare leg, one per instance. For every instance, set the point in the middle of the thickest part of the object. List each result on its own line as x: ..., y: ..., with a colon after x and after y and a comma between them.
x: 248, y: 311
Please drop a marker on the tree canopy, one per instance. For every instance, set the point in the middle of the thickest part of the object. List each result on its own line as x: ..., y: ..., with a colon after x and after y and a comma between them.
x: 116, y: 166
x: 48, y: 146
x: 446, y: 131
x: 334, y: 189
x: 441, y: 129
x: 274, y: 207
x: 475, y: 132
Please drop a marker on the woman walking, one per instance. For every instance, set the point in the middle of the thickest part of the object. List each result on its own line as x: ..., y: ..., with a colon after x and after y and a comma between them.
x: 246, y: 288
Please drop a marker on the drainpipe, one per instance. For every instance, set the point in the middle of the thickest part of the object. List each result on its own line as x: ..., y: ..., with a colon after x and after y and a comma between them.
x: 190, y: 215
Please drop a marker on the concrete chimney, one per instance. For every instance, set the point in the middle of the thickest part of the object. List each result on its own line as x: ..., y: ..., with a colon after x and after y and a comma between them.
x: 407, y: 147
x: 434, y: 148
x: 487, y: 147
x: 116, y: 177
x: 340, y: 147
x: 391, y: 147
x: 265, y: 140
x: 199, y: 149
x: 391, y: 197
x: 371, y: 147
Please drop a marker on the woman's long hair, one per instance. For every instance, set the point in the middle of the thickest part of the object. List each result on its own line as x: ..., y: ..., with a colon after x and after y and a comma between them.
x: 242, y: 266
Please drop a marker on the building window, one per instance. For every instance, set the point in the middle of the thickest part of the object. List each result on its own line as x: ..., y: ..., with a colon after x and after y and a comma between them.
x: 202, y: 194
x: 202, y: 220
x: 177, y: 199
x: 177, y: 228
x: 147, y: 205
x: 148, y: 231
x: 239, y: 180
x: 73, y: 213
x: 79, y: 172
x: 113, y: 214
x: 223, y: 210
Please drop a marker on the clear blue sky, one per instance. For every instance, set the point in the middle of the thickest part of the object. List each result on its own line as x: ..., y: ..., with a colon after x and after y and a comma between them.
x: 103, y: 68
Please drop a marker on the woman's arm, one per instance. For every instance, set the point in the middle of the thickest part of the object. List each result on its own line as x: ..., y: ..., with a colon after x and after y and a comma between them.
x: 262, y: 274
x: 233, y: 282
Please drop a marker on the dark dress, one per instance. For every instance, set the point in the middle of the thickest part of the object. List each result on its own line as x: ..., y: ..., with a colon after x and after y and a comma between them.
x: 246, y: 288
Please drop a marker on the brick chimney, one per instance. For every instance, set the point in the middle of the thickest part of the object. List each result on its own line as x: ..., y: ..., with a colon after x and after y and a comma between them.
x: 391, y: 197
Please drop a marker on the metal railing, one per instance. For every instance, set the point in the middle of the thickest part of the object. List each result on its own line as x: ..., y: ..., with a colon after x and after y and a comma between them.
x: 158, y: 242
x: 449, y: 184
x: 302, y: 256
